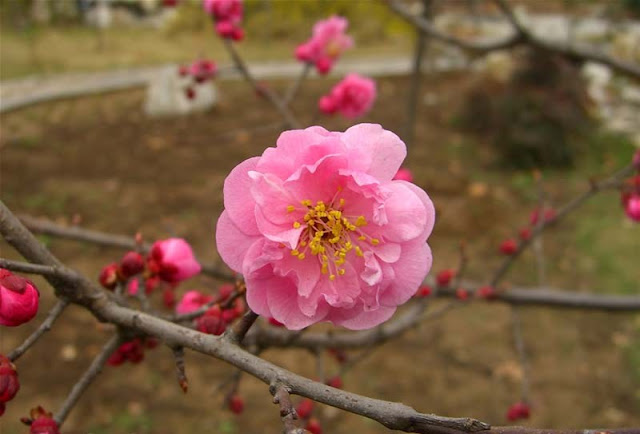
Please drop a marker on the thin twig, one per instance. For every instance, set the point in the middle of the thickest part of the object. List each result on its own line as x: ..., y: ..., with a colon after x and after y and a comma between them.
x: 75, y: 233
x: 522, y: 352
x: 87, y: 378
x: 562, y: 212
x: 287, y: 411
x: 178, y: 355
x: 53, y: 314
x: 271, y: 97
x: 237, y: 333
x: 26, y: 267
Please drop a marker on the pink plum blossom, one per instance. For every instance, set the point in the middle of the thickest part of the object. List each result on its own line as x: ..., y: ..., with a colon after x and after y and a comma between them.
x: 326, y: 44
x: 352, y: 97
x: 192, y: 300
x: 320, y: 230
x: 632, y: 207
x: 404, y: 174
x: 227, y: 15
x: 172, y: 260
x: 202, y: 70
x: 19, y: 299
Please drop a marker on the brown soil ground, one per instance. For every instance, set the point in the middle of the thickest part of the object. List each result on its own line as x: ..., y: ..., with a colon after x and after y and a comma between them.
x: 101, y: 160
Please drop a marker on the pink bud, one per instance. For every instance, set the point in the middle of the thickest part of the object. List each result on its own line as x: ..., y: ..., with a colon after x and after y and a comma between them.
x: 636, y: 160
x: 632, y: 208
x: 237, y: 34
x: 305, y: 408
x: 519, y: 410
x: 549, y: 216
x: 304, y: 53
x: 173, y: 260
x: 327, y: 105
x: 236, y: 404
x: 131, y: 264
x: 132, y: 287
x: 323, y: 65
x: 444, y: 277
x: 212, y: 322
x: 190, y: 93
x: 226, y: 29
x: 509, y: 246
x: 9, y: 384
x: 109, y: 276
x: 192, y: 300
x: 18, y: 299
x: 404, y: 174
x: 313, y: 426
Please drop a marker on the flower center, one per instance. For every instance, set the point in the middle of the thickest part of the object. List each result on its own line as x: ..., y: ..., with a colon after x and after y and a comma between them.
x: 330, y: 235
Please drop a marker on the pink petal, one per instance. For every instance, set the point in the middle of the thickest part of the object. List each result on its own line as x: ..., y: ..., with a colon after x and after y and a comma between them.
x: 237, y: 193
x: 381, y: 151
x: 232, y: 243
x: 410, y: 271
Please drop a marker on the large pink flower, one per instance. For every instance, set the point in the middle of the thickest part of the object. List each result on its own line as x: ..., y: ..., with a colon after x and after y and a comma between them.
x: 326, y: 44
x: 320, y: 230
x: 352, y: 97
x: 19, y: 299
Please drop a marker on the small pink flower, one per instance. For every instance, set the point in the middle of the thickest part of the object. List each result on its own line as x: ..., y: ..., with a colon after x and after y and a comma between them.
x: 19, y: 299
x: 172, y: 260
x: 228, y: 15
x: 404, y: 174
x: 326, y: 44
x: 632, y: 207
x: 320, y: 230
x: 352, y: 97
x: 192, y: 300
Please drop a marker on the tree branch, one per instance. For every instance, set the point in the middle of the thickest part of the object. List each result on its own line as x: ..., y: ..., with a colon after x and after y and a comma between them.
x: 519, y: 37
x: 287, y: 411
x: 54, y: 313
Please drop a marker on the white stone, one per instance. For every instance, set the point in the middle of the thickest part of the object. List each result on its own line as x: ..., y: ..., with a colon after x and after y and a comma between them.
x: 166, y: 95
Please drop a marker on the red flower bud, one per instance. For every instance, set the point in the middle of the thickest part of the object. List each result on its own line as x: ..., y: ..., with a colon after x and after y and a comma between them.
x: 313, y: 426
x: 525, y: 234
x: 636, y: 160
x: 109, y: 276
x: 169, y: 298
x: 487, y: 292
x: 131, y: 264
x: 462, y: 294
x: 190, y: 93
x: 444, y: 277
x: 41, y: 422
x: 236, y: 404
x: 173, y: 260
x: 305, y: 408
x: 151, y: 284
x: 509, y: 246
x: 19, y: 299
x: 424, y: 291
x: 519, y: 410
x: 212, y: 322
x: 549, y: 216
x: 9, y: 384
x: 339, y: 355
x: 335, y: 382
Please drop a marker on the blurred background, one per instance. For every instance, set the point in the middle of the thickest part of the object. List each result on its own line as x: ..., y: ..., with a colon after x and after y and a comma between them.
x: 92, y: 152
